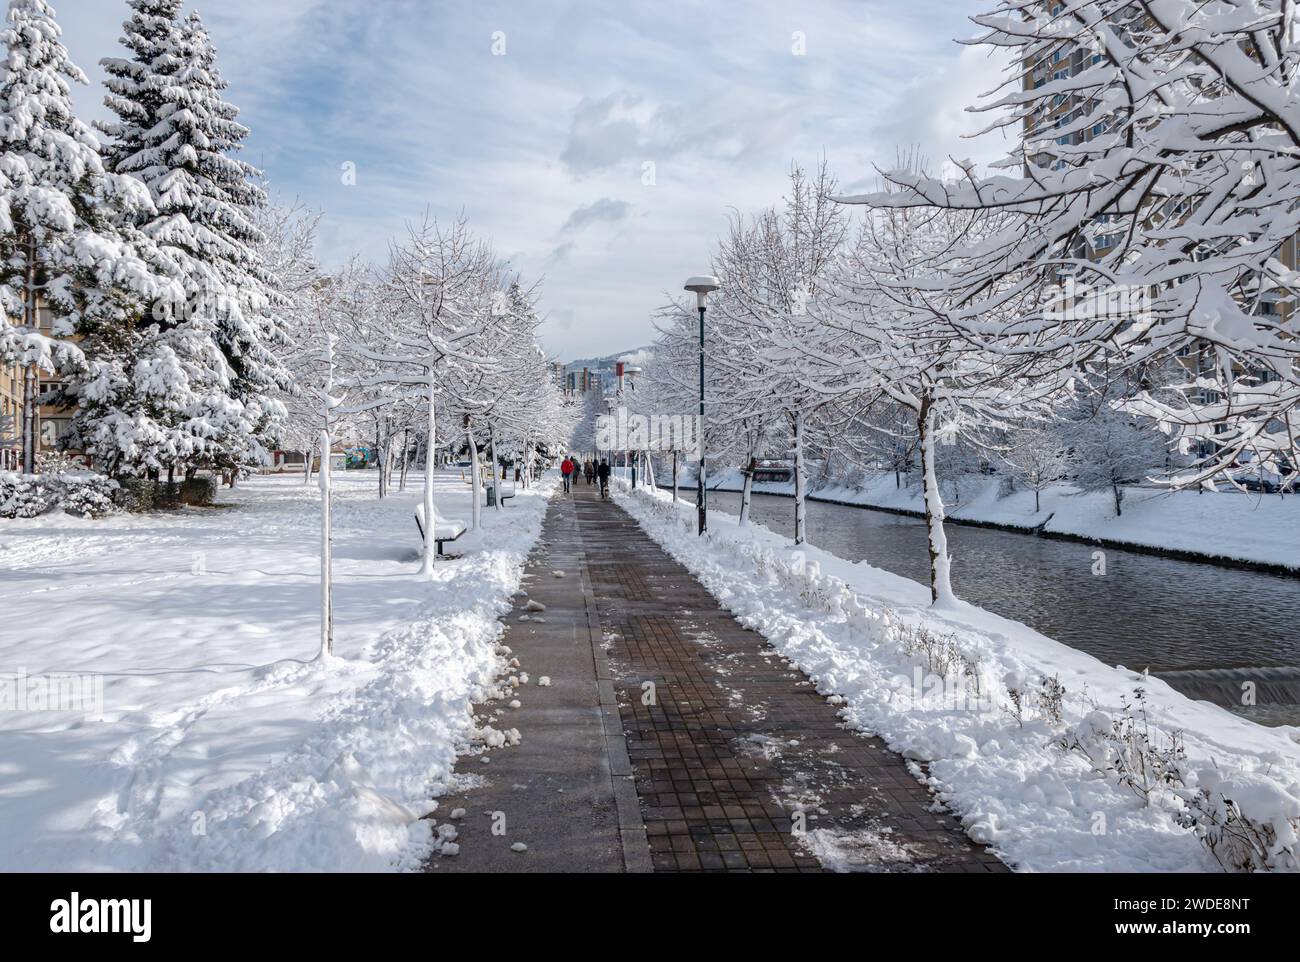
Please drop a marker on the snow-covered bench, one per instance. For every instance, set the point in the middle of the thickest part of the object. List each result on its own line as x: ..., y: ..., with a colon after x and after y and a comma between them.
x: 444, y: 530
x: 505, y: 492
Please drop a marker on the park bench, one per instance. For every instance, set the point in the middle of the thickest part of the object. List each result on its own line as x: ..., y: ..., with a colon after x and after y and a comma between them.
x: 444, y: 530
x: 507, y: 492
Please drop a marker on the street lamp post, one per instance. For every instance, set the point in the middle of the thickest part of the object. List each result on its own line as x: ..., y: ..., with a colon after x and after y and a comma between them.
x: 609, y: 415
x: 628, y: 371
x: 702, y: 286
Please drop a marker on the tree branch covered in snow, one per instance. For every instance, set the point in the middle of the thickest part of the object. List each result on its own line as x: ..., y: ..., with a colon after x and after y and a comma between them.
x: 1158, y: 161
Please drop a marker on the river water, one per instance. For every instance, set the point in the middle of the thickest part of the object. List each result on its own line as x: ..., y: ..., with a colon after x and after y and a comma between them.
x: 1204, y: 628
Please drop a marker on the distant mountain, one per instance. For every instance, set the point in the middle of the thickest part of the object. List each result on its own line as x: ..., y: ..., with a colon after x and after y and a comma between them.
x: 607, y: 363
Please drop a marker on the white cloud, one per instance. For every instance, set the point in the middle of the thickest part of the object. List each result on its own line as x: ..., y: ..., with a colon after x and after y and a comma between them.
x: 585, y: 97
x: 605, y: 209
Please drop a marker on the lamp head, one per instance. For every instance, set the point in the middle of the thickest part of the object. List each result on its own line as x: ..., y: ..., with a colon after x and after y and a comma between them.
x: 702, y: 285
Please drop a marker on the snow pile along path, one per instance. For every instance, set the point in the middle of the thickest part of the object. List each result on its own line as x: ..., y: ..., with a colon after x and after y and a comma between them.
x: 222, y: 744
x: 1035, y: 774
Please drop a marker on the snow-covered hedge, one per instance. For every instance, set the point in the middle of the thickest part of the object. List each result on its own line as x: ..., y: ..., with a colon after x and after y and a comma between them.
x: 87, y: 495
x: 1058, y: 761
x: 77, y: 492
x: 26, y: 495
x: 201, y: 490
x: 136, y: 495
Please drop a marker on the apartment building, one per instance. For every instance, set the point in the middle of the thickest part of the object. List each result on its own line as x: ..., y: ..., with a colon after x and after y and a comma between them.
x: 588, y: 379
x: 1063, y: 121
x: 11, y: 416
x: 51, y: 421
x: 1058, y: 121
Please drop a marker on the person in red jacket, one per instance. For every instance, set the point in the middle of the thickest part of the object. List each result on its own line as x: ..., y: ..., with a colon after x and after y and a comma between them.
x: 566, y: 469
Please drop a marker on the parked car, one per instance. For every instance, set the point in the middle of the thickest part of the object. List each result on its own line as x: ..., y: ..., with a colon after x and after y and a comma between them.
x: 1265, y: 482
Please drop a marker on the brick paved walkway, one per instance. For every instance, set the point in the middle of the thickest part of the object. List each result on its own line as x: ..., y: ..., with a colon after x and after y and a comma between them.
x: 565, y: 792
x: 735, y: 749
x: 735, y: 764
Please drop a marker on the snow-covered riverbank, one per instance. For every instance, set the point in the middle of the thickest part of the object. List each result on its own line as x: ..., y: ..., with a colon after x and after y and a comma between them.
x: 222, y: 744
x: 1257, y: 528
x: 970, y: 694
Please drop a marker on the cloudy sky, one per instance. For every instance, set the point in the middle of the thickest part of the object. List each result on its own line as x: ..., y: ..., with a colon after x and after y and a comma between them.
x: 600, y: 145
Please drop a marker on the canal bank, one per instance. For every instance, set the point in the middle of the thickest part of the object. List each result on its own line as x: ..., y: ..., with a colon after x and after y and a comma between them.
x: 1015, y: 740
x: 1207, y: 630
x: 1232, y: 530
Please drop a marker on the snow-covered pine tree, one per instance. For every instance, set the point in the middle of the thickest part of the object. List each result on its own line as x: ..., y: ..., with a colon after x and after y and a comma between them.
x: 204, y: 372
x: 66, y: 243
x: 138, y: 86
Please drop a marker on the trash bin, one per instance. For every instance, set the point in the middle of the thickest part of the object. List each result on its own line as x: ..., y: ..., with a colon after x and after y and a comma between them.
x: 491, y: 495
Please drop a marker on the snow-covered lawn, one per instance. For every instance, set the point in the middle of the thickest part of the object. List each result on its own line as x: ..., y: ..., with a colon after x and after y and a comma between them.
x: 223, y: 744
x: 1228, y: 524
x: 1043, y: 808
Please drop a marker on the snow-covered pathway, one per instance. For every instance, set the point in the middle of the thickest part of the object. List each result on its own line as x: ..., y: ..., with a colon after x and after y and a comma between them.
x: 223, y: 744
x: 970, y: 694
x: 739, y: 763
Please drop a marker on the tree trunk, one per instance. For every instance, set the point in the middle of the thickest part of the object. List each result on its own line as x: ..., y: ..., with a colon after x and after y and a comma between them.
x: 747, y: 489
x: 326, y: 554
x: 476, y: 481
x: 800, y: 483
x: 31, y: 378
x: 1119, y: 496
x: 492, y: 453
x: 381, y: 454
x: 31, y: 388
x: 306, y: 471
x: 674, y: 476
x: 406, y: 454
x: 430, y: 515
x: 940, y: 563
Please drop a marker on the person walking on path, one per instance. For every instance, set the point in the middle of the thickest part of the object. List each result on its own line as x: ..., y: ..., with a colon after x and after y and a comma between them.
x: 589, y: 469
x: 566, y: 469
x: 603, y: 473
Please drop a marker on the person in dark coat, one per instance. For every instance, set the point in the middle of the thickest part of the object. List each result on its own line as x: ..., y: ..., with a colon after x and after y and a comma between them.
x: 602, y: 472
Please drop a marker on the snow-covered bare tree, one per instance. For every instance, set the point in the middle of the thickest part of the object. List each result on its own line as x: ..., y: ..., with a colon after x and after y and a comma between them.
x: 288, y: 250
x: 1109, y: 447
x: 330, y: 307
x: 773, y: 268
x: 432, y: 294
x: 492, y: 389
x: 1039, y: 456
x: 888, y: 336
x: 1156, y: 163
